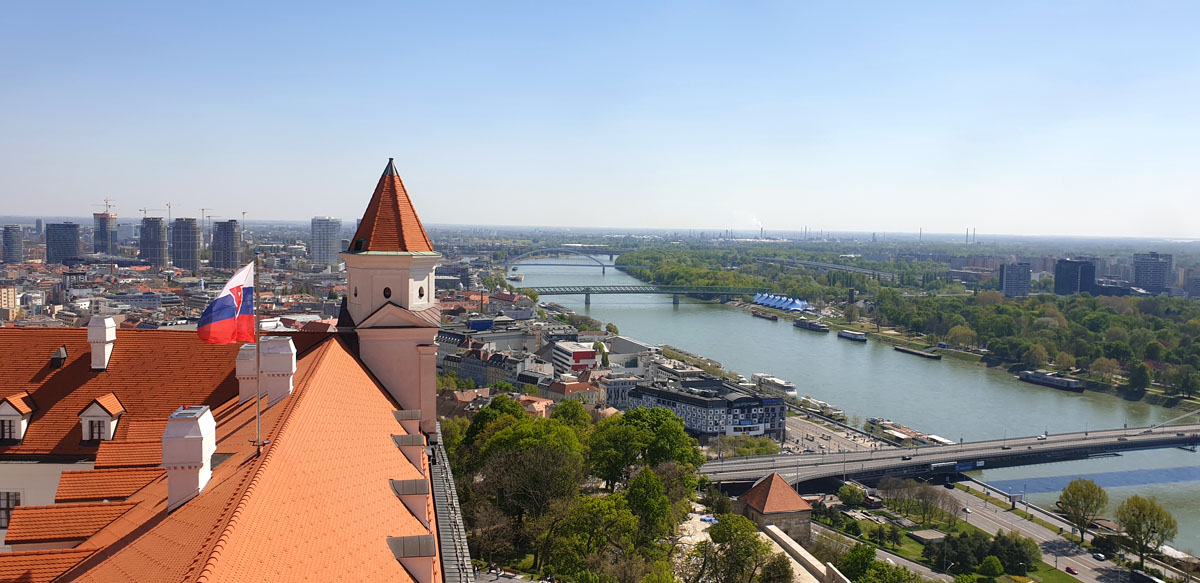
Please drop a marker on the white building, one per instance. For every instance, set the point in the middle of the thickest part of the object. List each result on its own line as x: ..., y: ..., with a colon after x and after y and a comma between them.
x: 326, y: 240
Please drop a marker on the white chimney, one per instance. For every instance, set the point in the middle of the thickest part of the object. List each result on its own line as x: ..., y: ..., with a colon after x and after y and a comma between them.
x: 102, y: 333
x: 188, y: 444
x: 246, y: 375
x: 278, y: 366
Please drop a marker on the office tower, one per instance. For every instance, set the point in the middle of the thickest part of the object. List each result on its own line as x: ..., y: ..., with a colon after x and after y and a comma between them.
x: 127, y: 232
x: 227, y: 245
x: 185, y: 244
x: 153, y: 243
x: 1073, y: 276
x: 62, y: 242
x: 1014, y: 279
x: 38, y: 226
x: 14, y: 245
x: 326, y: 239
x: 1151, y: 271
x: 104, y: 236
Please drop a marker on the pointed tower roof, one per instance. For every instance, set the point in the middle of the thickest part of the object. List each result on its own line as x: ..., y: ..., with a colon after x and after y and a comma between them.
x: 773, y: 494
x: 390, y: 222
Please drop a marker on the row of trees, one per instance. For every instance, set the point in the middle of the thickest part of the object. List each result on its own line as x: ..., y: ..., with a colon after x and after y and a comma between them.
x: 968, y: 551
x: 1146, y: 524
x: 918, y: 499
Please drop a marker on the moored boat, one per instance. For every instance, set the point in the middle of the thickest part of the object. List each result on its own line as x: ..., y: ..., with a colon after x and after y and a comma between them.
x: 814, y: 325
x: 853, y: 335
x: 1052, y: 379
x: 764, y: 315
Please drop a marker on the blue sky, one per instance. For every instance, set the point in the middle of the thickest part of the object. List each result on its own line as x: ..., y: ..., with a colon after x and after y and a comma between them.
x: 1072, y: 118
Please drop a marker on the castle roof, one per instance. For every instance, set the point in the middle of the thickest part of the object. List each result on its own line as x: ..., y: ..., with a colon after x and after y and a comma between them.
x: 390, y: 222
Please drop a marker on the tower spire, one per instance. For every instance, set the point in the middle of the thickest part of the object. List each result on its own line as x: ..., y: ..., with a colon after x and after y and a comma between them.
x: 390, y: 222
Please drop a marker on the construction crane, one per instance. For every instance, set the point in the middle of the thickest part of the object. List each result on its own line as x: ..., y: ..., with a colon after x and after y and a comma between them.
x: 146, y: 211
x: 108, y: 204
x: 203, y: 227
x: 169, y: 205
x: 208, y: 229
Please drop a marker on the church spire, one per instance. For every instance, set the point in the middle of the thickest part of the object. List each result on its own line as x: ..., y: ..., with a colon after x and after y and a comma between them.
x: 390, y: 222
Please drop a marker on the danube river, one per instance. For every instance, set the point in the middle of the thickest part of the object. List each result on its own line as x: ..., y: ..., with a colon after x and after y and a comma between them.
x: 954, y: 399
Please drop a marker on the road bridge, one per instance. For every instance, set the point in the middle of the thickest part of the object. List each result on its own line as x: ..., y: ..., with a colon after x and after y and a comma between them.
x: 947, y: 459
x: 596, y: 262
x: 674, y: 290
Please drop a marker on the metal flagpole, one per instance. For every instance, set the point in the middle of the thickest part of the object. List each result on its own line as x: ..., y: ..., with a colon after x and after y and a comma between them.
x: 258, y: 442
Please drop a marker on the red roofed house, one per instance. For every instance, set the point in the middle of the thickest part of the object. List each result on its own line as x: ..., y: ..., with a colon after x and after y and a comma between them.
x: 773, y: 501
x: 136, y: 455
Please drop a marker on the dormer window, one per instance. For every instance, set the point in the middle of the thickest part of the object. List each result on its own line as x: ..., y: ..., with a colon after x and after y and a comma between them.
x: 15, y: 412
x: 99, y: 419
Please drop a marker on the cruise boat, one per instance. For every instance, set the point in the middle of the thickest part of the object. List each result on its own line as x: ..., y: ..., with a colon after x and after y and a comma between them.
x: 1052, y: 379
x: 814, y: 325
x: 853, y: 335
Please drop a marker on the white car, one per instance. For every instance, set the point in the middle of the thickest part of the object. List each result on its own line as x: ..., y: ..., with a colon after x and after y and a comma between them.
x: 1041, y: 437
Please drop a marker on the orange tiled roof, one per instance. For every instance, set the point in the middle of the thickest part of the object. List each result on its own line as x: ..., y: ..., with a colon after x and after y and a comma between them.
x: 773, y: 494
x: 21, y: 402
x: 390, y: 222
x: 144, y: 430
x: 110, y: 403
x: 104, y: 484
x: 151, y: 373
x: 130, y: 453
x: 322, y: 483
x: 61, y: 522
x: 39, y: 566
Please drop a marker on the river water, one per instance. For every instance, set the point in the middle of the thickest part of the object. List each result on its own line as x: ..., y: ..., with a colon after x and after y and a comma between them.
x: 950, y: 398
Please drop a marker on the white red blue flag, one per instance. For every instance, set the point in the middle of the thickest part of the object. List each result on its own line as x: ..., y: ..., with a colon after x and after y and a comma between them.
x: 230, y: 317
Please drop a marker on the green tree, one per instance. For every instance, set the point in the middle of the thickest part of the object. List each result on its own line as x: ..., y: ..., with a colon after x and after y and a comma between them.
x: 964, y: 578
x: 1105, y: 367
x: 1139, y: 377
x: 500, y: 406
x: 1064, y: 360
x: 851, y: 495
x: 650, y: 504
x: 991, y: 567
x: 1036, y: 356
x: 504, y: 387
x: 777, y: 570
x: 1153, y: 350
x: 961, y: 336
x: 1082, y: 501
x: 611, y: 328
x: 572, y: 412
x: 1147, y: 524
x: 530, y: 464
x: 740, y: 551
x: 857, y: 561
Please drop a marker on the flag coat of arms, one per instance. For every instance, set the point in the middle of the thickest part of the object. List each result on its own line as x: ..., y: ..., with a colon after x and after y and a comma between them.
x: 230, y: 317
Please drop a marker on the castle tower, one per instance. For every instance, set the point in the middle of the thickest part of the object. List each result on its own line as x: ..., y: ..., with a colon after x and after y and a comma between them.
x: 390, y: 297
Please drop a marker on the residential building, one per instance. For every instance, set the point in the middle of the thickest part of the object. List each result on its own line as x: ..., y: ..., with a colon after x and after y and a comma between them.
x: 227, y: 245
x: 1015, y: 279
x: 152, y: 246
x: 1073, y: 276
x: 1193, y: 286
x: 14, y: 244
x: 162, y: 492
x: 711, y: 407
x: 104, y: 233
x: 326, y: 241
x: 185, y: 244
x: 1152, y: 271
x: 62, y: 242
x: 571, y: 357
x: 616, y: 389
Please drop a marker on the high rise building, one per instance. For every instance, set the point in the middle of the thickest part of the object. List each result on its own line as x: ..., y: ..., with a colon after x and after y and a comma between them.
x: 104, y: 237
x: 1073, y: 276
x: 185, y: 244
x: 1152, y: 271
x: 14, y: 244
x: 227, y: 245
x: 62, y: 242
x: 153, y: 243
x: 1015, y: 278
x: 38, y: 226
x: 326, y: 239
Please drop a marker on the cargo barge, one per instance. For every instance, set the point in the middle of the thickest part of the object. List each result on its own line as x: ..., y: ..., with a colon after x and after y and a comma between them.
x: 806, y: 324
x: 764, y: 315
x: 1052, y: 379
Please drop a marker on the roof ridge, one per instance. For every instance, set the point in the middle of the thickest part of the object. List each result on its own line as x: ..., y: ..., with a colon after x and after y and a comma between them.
x: 229, y: 525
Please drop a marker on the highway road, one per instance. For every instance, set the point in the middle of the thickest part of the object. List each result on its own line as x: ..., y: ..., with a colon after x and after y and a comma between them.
x: 979, y: 454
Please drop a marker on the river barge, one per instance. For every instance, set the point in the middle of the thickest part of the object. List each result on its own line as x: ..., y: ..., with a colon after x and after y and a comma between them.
x: 853, y: 335
x: 920, y: 353
x: 814, y: 325
x: 763, y: 380
x: 765, y: 315
x: 1052, y: 379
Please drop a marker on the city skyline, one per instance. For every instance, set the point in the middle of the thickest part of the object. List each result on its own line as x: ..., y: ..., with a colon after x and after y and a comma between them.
x: 1027, y: 119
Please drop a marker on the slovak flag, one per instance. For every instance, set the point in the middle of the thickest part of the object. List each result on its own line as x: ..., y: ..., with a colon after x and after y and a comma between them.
x: 230, y: 317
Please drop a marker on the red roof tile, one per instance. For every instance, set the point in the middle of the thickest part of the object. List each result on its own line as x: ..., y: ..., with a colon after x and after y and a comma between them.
x: 773, y: 494
x: 21, y: 401
x: 104, y: 484
x: 129, y: 453
x: 110, y: 403
x: 39, y: 566
x: 151, y: 373
x: 60, y: 522
x: 390, y: 222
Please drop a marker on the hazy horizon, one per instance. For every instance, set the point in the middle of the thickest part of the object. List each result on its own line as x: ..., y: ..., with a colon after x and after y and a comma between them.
x: 1034, y: 119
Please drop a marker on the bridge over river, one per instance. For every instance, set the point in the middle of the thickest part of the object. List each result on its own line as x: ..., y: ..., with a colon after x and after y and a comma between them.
x: 674, y: 290
x: 946, y: 459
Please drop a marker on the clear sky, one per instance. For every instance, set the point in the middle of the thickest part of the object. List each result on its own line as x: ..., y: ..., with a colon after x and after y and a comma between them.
x: 1010, y: 117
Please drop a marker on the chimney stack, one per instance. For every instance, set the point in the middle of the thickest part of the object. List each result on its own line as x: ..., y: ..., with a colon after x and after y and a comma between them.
x: 246, y: 375
x: 102, y: 333
x: 188, y: 444
x: 278, y: 366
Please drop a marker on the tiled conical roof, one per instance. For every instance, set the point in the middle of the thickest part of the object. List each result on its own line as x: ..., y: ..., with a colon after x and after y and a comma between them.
x: 773, y: 494
x: 390, y: 222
